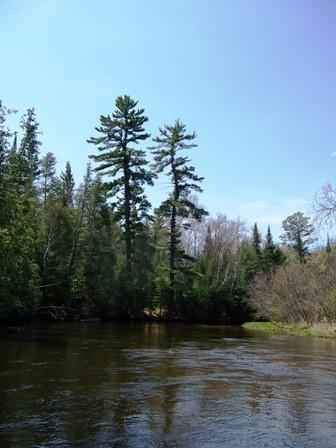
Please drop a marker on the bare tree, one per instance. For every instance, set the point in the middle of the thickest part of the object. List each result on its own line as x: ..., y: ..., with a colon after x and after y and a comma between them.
x: 325, y: 206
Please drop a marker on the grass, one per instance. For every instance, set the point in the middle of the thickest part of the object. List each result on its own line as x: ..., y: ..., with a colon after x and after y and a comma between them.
x: 322, y: 329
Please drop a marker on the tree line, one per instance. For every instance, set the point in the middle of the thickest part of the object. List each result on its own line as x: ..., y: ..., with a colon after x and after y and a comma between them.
x: 100, y: 249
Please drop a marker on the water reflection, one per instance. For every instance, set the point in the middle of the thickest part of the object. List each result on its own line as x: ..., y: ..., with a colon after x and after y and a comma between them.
x: 152, y: 385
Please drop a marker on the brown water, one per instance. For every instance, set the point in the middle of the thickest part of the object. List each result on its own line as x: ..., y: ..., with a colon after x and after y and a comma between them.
x: 157, y: 385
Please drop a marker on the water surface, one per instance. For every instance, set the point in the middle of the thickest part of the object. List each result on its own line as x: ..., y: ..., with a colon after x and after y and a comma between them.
x: 169, y: 386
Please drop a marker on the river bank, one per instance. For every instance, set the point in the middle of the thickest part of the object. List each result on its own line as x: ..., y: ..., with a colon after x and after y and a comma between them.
x: 322, y: 329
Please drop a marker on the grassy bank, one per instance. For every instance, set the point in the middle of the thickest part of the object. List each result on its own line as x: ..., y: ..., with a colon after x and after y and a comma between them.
x: 323, y: 330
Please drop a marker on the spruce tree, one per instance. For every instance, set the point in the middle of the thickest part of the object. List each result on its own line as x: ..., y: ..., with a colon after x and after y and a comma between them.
x: 269, y: 244
x: 126, y: 165
x: 29, y: 146
x: 179, y: 206
x: 272, y: 255
x: 256, y: 242
x: 68, y: 185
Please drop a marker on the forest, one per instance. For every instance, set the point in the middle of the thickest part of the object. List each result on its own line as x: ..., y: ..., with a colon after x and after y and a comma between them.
x: 100, y: 250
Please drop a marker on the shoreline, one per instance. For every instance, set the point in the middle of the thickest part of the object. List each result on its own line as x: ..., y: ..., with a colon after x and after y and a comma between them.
x: 321, y: 330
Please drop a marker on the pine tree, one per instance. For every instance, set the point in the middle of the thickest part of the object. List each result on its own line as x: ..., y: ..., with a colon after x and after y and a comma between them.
x: 68, y: 185
x: 298, y: 234
x: 126, y: 166
x: 170, y: 142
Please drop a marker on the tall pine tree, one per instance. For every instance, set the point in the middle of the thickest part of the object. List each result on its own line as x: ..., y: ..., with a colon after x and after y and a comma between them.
x: 179, y: 206
x: 298, y: 234
x: 126, y: 165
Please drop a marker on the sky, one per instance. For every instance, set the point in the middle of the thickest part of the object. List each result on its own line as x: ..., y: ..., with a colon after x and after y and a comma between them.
x: 256, y: 80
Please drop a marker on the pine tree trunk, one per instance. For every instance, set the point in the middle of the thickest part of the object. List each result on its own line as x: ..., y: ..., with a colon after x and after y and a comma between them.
x: 172, y: 252
x: 173, y: 243
x: 127, y: 211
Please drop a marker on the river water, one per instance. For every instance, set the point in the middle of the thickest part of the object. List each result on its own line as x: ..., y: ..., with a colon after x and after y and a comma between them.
x: 167, y: 386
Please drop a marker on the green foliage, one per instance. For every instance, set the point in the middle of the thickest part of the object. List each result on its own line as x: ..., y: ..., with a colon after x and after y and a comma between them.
x: 94, y: 281
x: 256, y: 242
x: 29, y: 146
x: 19, y: 291
x: 126, y: 165
x: 96, y: 250
x: 167, y: 157
x: 68, y: 185
x: 272, y: 255
x: 47, y: 174
x: 298, y: 233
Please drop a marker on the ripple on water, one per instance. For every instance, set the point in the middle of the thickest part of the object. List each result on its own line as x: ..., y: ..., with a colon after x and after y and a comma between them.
x: 171, y: 387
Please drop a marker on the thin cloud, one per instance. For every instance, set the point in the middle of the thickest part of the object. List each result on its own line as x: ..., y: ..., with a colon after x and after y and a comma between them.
x: 264, y: 212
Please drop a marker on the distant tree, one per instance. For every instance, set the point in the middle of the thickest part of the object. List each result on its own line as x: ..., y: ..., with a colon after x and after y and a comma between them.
x: 68, y: 185
x: 298, y: 233
x: 30, y: 146
x: 5, y: 133
x: 47, y: 173
x: 94, y: 281
x: 256, y: 242
x: 14, y: 144
x: 126, y: 166
x: 328, y: 245
x: 325, y: 205
x: 19, y: 272
x: 170, y: 142
x: 272, y: 254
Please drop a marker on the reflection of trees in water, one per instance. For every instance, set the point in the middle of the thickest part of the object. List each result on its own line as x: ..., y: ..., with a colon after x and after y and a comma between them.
x: 132, y: 384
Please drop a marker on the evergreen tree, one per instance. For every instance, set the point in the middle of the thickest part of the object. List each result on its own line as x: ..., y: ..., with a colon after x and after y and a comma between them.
x: 68, y: 185
x: 29, y: 146
x: 47, y: 172
x: 160, y: 275
x: 256, y: 242
x: 14, y: 144
x: 126, y: 166
x: 272, y: 254
x: 5, y: 134
x: 94, y: 279
x: 328, y: 245
x: 298, y: 233
x: 19, y: 224
x: 170, y: 142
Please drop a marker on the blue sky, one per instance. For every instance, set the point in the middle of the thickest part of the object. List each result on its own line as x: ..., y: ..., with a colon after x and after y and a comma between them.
x: 256, y: 79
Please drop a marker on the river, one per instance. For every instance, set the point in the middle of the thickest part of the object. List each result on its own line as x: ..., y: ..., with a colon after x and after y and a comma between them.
x: 165, y: 385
